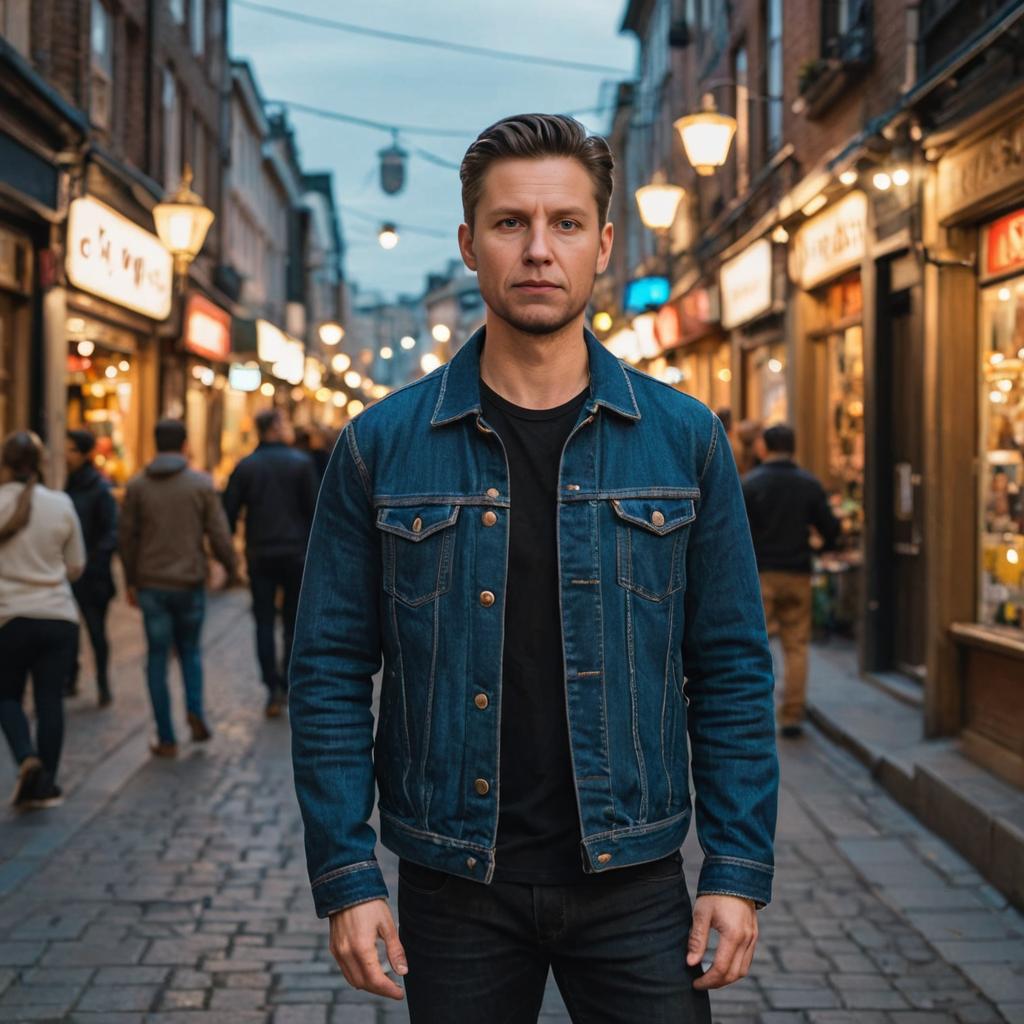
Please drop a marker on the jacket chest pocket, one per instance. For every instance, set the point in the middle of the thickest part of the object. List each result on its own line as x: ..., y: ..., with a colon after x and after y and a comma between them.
x: 418, y: 548
x: 650, y: 544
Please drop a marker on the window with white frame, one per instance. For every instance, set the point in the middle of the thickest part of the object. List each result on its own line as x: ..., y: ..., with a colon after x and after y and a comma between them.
x: 172, y: 131
x: 101, y: 67
x: 742, y: 99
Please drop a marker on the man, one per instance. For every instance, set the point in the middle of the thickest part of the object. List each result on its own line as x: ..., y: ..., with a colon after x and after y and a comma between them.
x: 94, y: 589
x: 168, y: 511
x: 783, y: 503
x: 545, y: 545
x: 276, y: 485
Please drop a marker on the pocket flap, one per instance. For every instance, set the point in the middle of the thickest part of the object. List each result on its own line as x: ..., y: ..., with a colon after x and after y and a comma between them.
x: 416, y: 522
x: 658, y: 515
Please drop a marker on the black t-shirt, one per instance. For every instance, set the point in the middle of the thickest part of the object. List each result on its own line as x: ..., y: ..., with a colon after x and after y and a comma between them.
x: 538, y: 825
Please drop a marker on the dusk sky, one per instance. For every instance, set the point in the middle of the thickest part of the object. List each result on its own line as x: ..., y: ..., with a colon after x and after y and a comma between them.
x: 397, y: 82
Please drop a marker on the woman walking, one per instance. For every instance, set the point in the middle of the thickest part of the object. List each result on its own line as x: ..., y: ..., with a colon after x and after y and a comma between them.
x: 41, y: 553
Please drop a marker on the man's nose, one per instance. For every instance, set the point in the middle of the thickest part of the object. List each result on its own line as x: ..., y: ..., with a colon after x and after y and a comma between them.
x: 537, y: 248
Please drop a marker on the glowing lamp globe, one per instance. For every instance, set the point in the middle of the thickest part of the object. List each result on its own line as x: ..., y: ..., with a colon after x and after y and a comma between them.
x: 706, y: 137
x: 659, y: 204
x: 182, y: 222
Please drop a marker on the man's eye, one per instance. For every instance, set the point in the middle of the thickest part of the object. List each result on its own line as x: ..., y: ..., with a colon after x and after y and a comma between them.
x: 509, y: 222
x: 568, y: 225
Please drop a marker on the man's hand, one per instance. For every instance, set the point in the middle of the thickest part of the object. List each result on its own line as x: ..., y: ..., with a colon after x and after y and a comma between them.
x: 354, y: 934
x: 735, y: 920
x: 133, y: 596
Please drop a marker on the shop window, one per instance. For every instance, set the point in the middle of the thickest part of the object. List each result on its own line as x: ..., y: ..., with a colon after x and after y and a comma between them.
x: 846, y: 419
x: 764, y: 376
x: 1001, y: 583
x: 101, y: 68
x: 14, y: 24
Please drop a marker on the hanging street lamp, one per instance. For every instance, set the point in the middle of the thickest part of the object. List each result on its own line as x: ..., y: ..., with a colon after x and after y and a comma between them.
x: 331, y: 333
x: 659, y: 203
x: 706, y: 136
x: 388, y: 236
x: 182, y: 222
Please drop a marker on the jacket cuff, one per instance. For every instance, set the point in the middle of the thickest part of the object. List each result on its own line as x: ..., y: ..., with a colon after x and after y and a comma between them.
x: 733, y: 876
x: 345, y: 887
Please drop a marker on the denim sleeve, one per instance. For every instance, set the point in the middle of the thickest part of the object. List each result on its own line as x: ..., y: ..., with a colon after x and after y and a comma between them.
x: 334, y: 657
x: 729, y: 687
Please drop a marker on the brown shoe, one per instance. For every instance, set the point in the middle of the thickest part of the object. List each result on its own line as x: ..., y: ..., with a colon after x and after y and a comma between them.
x: 274, y: 707
x: 162, y: 749
x: 200, y: 731
x: 29, y: 773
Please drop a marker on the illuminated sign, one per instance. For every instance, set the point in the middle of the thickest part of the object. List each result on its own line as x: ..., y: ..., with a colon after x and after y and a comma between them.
x: 1003, y: 246
x: 646, y: 292
x: 207, y: 329
x: 746, y: 284
x: 830, y: 243
x: 112, y: 257
x: 244, y: 377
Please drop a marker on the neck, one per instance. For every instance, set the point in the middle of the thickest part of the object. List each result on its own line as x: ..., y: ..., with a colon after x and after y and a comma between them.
x: 779, y: 457
x: 535, y: 371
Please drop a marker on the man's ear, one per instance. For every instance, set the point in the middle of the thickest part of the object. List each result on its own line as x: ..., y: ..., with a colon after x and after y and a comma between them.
x: 604, y: 251
x: 466, y: 247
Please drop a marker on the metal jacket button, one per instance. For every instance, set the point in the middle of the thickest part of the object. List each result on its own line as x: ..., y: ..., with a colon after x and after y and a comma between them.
x: 482, y: 786
x: 492, y: 492
x: 486, y: 598
x: 603, y: 858
x: 471, y: 863
x: 489, y: 518
x: 657, y: 518
x: 417, y: 525
x: 481, y: 701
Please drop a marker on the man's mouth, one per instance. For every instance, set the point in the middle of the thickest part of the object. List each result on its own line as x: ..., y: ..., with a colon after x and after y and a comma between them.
x: 537, y: 287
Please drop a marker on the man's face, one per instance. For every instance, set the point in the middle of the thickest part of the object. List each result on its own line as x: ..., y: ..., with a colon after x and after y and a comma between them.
x: 74, y: 458
x: 536, y: 244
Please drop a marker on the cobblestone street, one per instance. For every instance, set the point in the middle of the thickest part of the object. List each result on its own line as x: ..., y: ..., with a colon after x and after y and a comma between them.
x: 170, y: 893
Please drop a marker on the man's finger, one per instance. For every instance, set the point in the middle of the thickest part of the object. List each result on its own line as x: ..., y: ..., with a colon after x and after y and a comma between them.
x: 724, y: 957
x: 373, y: 977
x: 699, y: 930
x: 748, y: 957
x: 396, y: 954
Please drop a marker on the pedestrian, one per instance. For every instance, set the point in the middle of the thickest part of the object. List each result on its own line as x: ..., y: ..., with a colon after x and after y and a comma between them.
x: 543, y: 544
x: 169, y: 509
x: 747, y: 445
x: 783, y: 503
x: 276, y: 487
x: 41, y: 552
x: 94, y: 590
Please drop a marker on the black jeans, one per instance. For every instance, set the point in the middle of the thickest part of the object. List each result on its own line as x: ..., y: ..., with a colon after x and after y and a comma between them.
x: 266, y: 577
x: 482, y: 952
x: 94, y: 614
x: 44, y: 649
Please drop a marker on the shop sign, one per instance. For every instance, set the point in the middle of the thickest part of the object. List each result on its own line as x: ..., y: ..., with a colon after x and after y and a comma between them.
x: 244, y: 377
x: 207, y: 329
x: 667, y: 327
x: 698, y: 313
x: 830, y: 243
x: 746, y: 284
x: 979, y: 173
x: 644, y: 293
x: 1002, y: 244
x: 112, y: 257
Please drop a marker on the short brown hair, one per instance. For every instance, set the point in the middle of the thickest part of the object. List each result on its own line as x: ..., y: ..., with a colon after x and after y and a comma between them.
x: 531, y: 137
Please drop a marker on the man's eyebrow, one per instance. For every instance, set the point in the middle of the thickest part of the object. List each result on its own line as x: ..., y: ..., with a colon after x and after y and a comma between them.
x: 565, y: 211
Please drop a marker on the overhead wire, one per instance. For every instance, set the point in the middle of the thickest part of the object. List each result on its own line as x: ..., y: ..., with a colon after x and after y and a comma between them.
x: 439, y: 44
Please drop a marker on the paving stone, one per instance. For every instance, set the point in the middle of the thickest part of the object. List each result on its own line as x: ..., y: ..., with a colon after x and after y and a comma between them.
x: 300, y: 1015
x: 238, y: 999
x: 183, y: 999
x: 118, y: 997
x: 40, y: 995
x: 20, y: 954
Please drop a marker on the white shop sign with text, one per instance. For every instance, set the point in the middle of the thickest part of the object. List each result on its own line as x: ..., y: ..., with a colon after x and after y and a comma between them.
x: 830, y: 243
x: 746, y: 284
x: 112, y: 257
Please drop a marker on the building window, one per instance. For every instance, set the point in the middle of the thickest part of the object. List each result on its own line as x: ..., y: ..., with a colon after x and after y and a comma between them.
x: 1001, y: 574
x: 773, y: 71
x: 199, y: 156
x: 14, y: 24
x: 172, y: 131
x: 197, y: 25
x: 178, y: 11
x: 101, y: 69
x: 742, y: 98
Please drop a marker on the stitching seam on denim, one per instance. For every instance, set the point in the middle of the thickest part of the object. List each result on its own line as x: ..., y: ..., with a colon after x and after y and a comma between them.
x: 637, y: 830
x: 740, y: 862
x: 435, y: 837
x: 711, y: 447
x: 330, y: 876
x: 364, y: 474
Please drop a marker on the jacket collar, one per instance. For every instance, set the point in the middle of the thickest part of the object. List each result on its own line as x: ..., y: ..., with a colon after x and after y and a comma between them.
x: 460, y: 383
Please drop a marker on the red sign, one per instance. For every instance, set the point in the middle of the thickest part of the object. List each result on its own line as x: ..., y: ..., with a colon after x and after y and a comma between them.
x: 207, y: 329
x: 1004, y: 245
x: 667, y: 328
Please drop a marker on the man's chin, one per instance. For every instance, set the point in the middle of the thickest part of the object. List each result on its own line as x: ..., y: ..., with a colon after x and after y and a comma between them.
x: 539, y: 322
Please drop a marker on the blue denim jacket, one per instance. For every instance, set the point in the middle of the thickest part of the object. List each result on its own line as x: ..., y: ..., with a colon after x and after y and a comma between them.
x: 662, y: 626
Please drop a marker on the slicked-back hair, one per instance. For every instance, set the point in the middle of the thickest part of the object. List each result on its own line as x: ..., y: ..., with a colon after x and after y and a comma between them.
x: 780, y: 439
x: 170, y: 436
x: 266, y: 420
x: 533, y: 137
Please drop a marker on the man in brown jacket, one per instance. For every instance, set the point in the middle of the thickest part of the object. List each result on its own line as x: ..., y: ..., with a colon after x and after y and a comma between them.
x: 168, y: 511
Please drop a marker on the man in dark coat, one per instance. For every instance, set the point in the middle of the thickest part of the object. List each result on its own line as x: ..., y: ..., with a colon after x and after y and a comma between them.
x: 97, y: 512
x: 277, y: 487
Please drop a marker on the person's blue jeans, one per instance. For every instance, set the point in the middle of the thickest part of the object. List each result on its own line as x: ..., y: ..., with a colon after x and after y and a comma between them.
x: 173, y: 618
x: 482, y: 952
